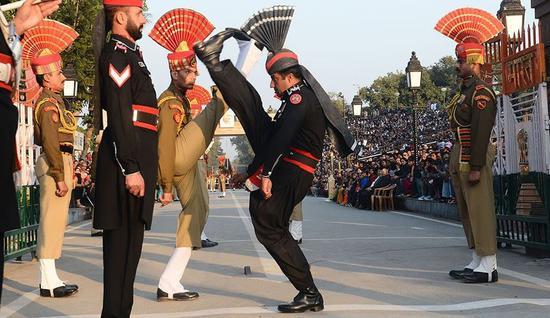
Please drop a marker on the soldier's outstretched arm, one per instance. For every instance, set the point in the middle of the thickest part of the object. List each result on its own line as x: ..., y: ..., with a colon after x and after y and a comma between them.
x: 167, y: 131
x: 118, y: 103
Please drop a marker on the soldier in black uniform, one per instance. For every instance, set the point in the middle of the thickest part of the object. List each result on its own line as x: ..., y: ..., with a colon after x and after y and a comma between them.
x: 287, y: 152
x: 127, y: 158
x: 10, y: 52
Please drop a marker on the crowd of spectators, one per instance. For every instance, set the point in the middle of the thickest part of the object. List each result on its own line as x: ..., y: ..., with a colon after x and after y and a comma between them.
x: 388, y: 158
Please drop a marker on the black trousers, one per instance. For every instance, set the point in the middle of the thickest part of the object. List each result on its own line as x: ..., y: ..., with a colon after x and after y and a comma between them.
x: 271, y: 220
x: 121, y: 253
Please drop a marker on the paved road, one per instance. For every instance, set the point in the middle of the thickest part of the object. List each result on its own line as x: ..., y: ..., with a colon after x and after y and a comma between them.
x: 368, y: 264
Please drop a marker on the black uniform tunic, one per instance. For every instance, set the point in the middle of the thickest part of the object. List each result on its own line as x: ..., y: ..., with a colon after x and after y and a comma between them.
x: 300, y: 124
x: 125, y: 148
x: 129, y: 145
x: 9, y: 216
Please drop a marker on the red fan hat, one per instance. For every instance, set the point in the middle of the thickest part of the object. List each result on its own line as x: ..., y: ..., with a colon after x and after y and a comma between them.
x: 177, y: 31
x: 470, y: 28
x: 123, y: 3
x: 42, y: 45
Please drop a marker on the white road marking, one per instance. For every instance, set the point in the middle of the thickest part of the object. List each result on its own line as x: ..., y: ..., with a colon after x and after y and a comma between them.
x: 528, y: 278
x: 269, y: 266
x: 359, y: 224
x: 428, y: 219
x: 467, y: 306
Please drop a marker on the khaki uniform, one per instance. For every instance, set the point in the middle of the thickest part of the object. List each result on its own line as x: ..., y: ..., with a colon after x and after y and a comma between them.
x: 182, y: 142
x: 297, y: 214
x: 222, y: 179
x: 472, y: 116
x: 54, y: 129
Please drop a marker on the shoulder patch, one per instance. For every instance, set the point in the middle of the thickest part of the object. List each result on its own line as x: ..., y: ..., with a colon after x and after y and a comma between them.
x: 295, y: 99
x: 120, y: 78
x: 121, y: 47
x: 481, y: 104
x: 482, y: 97
x: 177, y: 117
x: 480, y: 87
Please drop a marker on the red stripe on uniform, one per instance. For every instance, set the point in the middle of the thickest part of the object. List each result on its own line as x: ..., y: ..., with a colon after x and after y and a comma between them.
x: 145, y: 125
x: 146, y: 109
x: 300, y: 165
x: 304, y: 153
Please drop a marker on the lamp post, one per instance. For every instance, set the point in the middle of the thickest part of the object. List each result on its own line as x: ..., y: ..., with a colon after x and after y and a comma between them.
x: 414, y: 79
x: 512, y: 15
x: 357, y: 105
x: 70, y: 89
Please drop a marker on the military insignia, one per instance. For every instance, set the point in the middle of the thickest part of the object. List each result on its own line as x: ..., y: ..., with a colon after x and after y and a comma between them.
x: 177, y: 118
x: 121, y: 47
x: 482, y: 97
x: 481, y: 104
x: 141, y: 64
x: 480, y: 87
x: 295, y: 99
x: 120, y: 78
x: 55, y: 117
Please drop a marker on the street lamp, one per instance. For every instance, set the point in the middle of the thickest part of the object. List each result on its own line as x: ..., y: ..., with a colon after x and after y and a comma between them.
x: 414, y: 79
x: 512, y: 15
x: 70, y: 89
x: 357, y: 105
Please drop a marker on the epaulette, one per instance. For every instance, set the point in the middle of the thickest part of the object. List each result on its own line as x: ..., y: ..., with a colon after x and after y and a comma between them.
x: 122, y: 47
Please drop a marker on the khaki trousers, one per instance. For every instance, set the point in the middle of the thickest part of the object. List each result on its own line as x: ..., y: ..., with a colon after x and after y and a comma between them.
x: 189, y: 178
x: 54, y: 210
x: 476, y: 204
x: 297, y: 214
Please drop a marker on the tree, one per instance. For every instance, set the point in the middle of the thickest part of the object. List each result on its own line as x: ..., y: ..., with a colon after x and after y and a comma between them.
x: 245, y: 154
x: 443, y: 73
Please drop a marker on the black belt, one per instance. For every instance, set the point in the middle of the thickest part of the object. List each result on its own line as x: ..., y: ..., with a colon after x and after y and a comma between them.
x: 67, y: 149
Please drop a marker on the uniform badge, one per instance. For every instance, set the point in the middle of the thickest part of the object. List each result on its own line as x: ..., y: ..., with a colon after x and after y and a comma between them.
x: 120, y: 78
x: 55, y: 117
x: 481, y: 104
x: 295, y: 99
x: 177, y: 118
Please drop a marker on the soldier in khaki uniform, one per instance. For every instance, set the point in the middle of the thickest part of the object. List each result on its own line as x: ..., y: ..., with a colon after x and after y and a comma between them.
x: 222, y: 177
x: 472, y: 115
x: 54, y: 128
x: 182, y: 141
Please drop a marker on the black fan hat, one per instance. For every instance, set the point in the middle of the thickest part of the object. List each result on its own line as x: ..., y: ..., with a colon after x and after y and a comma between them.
x: 269, y: 27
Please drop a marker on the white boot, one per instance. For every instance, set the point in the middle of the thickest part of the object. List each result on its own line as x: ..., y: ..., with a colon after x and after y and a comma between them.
x: 295, y: 229
x: 170, y: 278
x: 475, y: 261
x: 48, y: 275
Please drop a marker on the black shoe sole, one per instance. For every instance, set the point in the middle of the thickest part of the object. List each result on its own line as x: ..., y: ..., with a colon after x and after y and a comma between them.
x: 315, y: 308
x: 164, y: 299
x: 46, y: 293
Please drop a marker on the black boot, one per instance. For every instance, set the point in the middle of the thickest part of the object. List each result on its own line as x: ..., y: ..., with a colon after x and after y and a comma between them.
x: 307, y: 300
x: 59, y: 292
x: 185, y: 296
x: 209, y: 52
x: 480, y: 278
x: 457, y: 273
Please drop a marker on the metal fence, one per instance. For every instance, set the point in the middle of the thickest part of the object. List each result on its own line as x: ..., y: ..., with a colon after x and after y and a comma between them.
x: 531, y: 229
x: 22, y: 241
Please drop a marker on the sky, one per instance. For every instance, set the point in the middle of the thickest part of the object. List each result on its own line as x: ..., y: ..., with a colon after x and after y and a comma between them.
x: 345, y: 44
